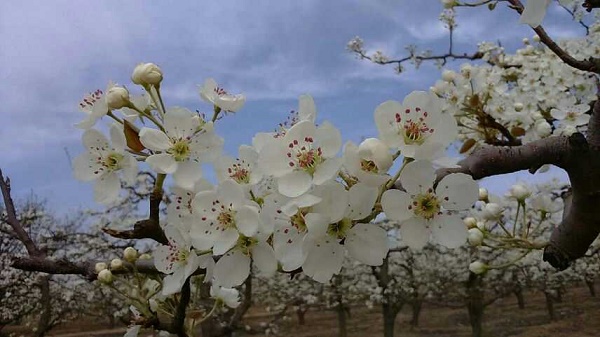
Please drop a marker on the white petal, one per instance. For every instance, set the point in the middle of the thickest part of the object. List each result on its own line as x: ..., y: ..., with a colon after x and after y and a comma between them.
x: 154, y: 140
x: 395, y: 205
x: 172, y: 283
x: 368, y: 243
x: 247, y: 220
x: 287, y: 244
x: 162, y: 259
x: 386, y: 124
x: 117, y: 137
x: 306, y: 108
x: 162, y: 163
x: 95, y: 142
x: 334, y: 203
x: 317, y: 224
x: 202, y: 237
x: 457, y: 191
x: 264, y: 259
x: 232, y: 193
x: 414, y: 233
x: 328, y: 170
x: 418, y: 177
x: 87, y: 168
x: 362, y: 199
x: 534, y: 12
x: 449, y: 230
x: 207, y: 91
x: 187, y: 174
x: 323, y: 258
x: 330, y: 139
x: 224, y: 241
x: 133, y: 331
x: 106, y: 189
x: 179, y: 123
x: 294, y: 184
x: 273, y: 159
x: 232, y: 269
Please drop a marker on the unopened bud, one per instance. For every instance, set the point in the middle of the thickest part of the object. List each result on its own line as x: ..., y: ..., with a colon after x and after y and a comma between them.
x: 117, y: 97
x: 449, y: 3
x: 130, y: 254
x: 520, y: 192
x: 105, y: 276
x: 525, y: 40
x: 100, y: 266
x: 483, y: 194
x: 518, y: 106
x: 471, y: 222
x: 448, y: 75
x: 116, y: 264
x: 145, y: 256
x: 478, y: 267
x: 475, y: 237
x: 492, y: 211
x: 536, y: 38
x: 147, y: 74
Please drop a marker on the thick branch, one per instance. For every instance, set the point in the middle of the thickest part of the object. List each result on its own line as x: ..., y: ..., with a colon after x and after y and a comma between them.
x: 178, y: 326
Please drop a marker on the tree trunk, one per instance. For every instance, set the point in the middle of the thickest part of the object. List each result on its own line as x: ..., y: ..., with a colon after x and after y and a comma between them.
x: 43, y: 325
x: 301, y: 314
x: 475, y: 304
x: 342, y: 322
x: 519, y: 294
x: 591, y: 287
x: 559, y: 293
x: 416, y: 312
x: 549, y: 305
x: 390, y: 311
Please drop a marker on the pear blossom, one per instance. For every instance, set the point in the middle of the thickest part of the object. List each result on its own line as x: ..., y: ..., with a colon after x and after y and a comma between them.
x: 147, y: 74
x: 103, y: 161
x: 423, y: 212
x: 181, y: 146
x: 180, y: 211
x: 478, y: 267
x: 569, y: 113
x: 520, y: 192
x: 233, y: 267
x: 94, y: 107
x: 210, y: 92
x: 228, y: 296
x: 369, y: 161
x: 244, y: 170
x: 417, y: 126
x: 331, y: 221
x: 475, y: 237
x: 105, y: 276
x: 304, y: 157
x: 224, y: 214
x: 178, y: 260
x: 534, y: 12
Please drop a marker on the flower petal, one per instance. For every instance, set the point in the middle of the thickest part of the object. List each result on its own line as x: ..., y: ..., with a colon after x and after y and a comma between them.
x: 414, y: 233
x: 457, y: 191
x: 294, y: 184
x: 155, y: 140
x: 418, y: 177
x: 264, y: 259
x: 368, y: 243
x: 328, y: 170
x: 179, y: 123
x: 323, y: 258
x: 106, y: 189
x: 449, y: 230
x: 232, y: 269
x: 187, y: 174
x: 162, y: 163
x: 395, y: 205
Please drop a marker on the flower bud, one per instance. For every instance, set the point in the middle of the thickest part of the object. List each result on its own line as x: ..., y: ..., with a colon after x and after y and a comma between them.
x: 536, y: 38
x: 481, y: 225
x: 520, y: 192
x: 492, y: 211
x: 475, y: 237
x: 100, y: 266
x: 470, y: 221
x: 117, y: 97
x: 448, y: 75
x: 105, y: 276
x: 478, y: 267
x: 525, y: 40
x: 147, y: 74
x: 542, y: 128
x: 449, y: 3
x: 483, y: 194
x: 145, y: 256
x: 130, y: 254
x: 116, y: 264
x: 518, y: 106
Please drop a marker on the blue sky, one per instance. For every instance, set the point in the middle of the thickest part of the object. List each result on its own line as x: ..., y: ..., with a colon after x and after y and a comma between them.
x: 53, y: 52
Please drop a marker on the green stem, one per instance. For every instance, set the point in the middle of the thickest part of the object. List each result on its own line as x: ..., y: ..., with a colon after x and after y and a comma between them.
x: 516, y: 219
x: 216, y: 112
x: 111, y: 115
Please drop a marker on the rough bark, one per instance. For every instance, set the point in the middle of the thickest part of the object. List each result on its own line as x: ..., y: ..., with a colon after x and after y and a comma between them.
x: 390, y: 312
x: 591, y: 287
x: 475, y: 304
x: 416, y: 306
x: 44, y: 321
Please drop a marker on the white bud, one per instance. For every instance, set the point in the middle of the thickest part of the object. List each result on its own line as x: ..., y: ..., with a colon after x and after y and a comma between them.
x: 448, y: 75
x: 145, y: 256
x: 117, y: 97
x: 100, y: 266
x: 525, y: 40
x: 520, y: 192
x: 481, y: 225
x: 483, y: 194
x: 536, y: 38
x: 449, y: 3
x: 147, y: 74
x: 492, y: 211
x: 130, y: 254
x: 116, y: 264
x: 105, y: 276
x: 475, y: 237
x: 518, y: 106
x: 542, y: 128
x: 478, y: 267
x: 470, y: 222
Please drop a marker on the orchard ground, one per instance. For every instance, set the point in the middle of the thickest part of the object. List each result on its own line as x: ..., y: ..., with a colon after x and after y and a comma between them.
x: 576, y: 316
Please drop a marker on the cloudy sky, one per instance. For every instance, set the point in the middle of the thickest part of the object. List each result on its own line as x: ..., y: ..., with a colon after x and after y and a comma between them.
x: 53, y: 52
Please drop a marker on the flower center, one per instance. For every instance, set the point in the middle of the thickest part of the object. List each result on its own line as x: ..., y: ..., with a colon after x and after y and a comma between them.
x: 220, y: 91
x: 113, y: 161
x: 305, y: 157
x: 226, y: 219
x: 413, y: 126
x: 180, y: 150
x: 89, y: 100
x: 368, y: 166
x: 425, y: 205
x: 239, y: 173
x: 297, y: 220
x: 339, y: 228
x: 182, y: 255
x: 245, y: 244
x: 571, y: 116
